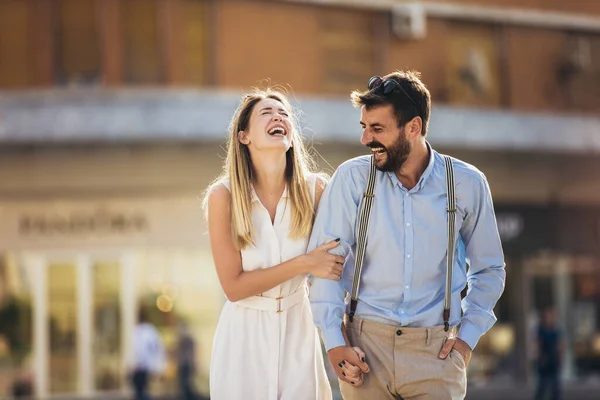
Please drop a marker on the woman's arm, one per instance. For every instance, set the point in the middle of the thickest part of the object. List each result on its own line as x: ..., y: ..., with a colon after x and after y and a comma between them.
x: 239, y: 284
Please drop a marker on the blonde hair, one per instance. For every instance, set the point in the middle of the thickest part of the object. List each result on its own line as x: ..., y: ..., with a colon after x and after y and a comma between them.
x: 238, y: 170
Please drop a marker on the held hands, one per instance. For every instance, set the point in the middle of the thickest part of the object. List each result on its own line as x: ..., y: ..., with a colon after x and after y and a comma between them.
x: 321, y: 264
x: 459, y: 345
x: 349, y: 364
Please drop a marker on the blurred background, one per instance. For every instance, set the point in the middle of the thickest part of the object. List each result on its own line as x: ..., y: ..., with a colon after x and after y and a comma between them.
x: 113, y: 114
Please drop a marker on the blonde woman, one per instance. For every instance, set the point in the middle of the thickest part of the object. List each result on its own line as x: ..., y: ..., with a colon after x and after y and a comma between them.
x: 260, y: 214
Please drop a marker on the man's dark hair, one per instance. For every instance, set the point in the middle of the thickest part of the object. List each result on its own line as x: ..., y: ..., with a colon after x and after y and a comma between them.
x: 404, y: 109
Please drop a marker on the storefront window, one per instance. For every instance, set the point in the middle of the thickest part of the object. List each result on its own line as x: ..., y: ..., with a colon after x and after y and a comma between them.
x: 495, y: 355
x: 585, y: 317
x: 16, y: 334
x: 569, y: 285
x: 180, y: 287
x: 62, y: 328
x: 107, y: 350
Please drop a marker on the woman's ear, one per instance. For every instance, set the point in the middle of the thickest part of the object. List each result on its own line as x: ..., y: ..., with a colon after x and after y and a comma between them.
x: 243, y: 138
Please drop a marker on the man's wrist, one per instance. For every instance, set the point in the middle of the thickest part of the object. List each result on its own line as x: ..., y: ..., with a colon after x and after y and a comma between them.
x: 333, y: 337
x: 464, y: 344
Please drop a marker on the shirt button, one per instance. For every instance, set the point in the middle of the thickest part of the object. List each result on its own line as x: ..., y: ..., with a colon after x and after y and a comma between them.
x: 408, y: 256
x: 408, y: 224
x: 407, y: 286
x: 401, y: 311
x: 398, y: 332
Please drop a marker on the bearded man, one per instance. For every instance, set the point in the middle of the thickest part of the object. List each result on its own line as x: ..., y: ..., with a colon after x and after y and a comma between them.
x: 415, y: 227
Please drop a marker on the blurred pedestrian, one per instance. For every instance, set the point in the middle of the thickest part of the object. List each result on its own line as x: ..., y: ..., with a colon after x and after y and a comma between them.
x: 260, y: 214
x: 22, y: 387
x: 549, y: 356
x: 414, y: 216
x: 186, y: 363
x: 148, y: 356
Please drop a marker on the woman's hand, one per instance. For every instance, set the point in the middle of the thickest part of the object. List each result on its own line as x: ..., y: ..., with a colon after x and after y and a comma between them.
x: 321, y: 264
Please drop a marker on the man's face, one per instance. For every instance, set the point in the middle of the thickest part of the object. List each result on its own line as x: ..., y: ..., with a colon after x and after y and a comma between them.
x: 387, y: 141
x: 549, y: 318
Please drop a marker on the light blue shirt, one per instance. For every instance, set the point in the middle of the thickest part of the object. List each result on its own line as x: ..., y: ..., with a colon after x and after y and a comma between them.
x: 404, y: 269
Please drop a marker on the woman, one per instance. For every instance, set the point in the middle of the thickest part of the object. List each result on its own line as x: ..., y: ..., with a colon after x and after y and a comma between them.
x: 260, y: 214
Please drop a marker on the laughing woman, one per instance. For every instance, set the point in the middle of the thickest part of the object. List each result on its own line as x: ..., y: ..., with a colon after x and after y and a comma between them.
x: 260, y: 214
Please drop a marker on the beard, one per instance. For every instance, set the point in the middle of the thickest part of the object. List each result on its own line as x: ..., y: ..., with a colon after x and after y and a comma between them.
x: 396, y: 154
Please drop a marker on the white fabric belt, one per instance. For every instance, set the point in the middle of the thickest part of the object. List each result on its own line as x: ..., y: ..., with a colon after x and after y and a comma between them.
x: 276, y: 305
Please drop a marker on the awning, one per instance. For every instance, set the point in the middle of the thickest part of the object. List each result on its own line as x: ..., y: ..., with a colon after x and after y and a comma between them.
x: 132, y: 115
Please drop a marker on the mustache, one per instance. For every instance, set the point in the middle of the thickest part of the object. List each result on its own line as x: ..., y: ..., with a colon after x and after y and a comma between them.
x: 376, y: 144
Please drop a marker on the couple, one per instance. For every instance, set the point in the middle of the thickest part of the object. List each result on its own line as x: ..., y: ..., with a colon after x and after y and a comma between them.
x: 393, y: 329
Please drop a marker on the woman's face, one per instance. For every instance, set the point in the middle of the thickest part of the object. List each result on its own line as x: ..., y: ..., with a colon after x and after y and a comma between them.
x: 270, y: 127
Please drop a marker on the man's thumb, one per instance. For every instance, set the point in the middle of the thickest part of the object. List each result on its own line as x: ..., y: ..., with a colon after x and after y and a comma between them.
x: 360, y: 362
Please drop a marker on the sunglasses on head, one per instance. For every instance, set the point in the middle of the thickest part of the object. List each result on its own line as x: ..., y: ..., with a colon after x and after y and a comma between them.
x: 388, y: 86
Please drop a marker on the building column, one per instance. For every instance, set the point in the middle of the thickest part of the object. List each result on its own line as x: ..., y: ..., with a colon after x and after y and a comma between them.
x: 521, y: 305
x: 85, y: 322
x: 563, y: 300
x: 37, y: 266
x: 128, y: 306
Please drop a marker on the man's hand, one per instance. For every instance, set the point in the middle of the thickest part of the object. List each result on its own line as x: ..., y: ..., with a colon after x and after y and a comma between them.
x: 459, y: 345
x: 348, y: 364
x: 354, y: 371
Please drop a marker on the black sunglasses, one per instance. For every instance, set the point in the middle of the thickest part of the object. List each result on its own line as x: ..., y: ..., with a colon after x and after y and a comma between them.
x: 388, y: 86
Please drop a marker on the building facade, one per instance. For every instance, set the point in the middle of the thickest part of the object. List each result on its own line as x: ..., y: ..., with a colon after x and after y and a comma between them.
x: 112, y: 119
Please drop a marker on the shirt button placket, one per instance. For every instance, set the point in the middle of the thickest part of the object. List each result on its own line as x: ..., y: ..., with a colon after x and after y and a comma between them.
x: 408, y: 260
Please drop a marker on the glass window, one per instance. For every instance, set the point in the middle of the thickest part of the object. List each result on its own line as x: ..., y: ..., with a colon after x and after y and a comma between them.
x: 473, y: 66
x: 14, y: 44
x: 141, y: 55
x: 180, y: 287
x: 107, y: 366
x: 586, y: 315
x: 194, y: 43
x: 569, y: 285
x: 16, y: 331
x: 62, y: 327
x: 78, y: 42
x: 495, y: 357
x: 346, y: 39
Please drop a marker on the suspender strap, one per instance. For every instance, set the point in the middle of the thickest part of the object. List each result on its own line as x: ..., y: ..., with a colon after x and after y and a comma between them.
x: 451, y: 203
x: 361, y: 241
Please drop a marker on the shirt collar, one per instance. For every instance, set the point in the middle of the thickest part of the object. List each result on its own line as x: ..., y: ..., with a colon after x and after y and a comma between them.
x: 429, y: 168
x: 254, y: 196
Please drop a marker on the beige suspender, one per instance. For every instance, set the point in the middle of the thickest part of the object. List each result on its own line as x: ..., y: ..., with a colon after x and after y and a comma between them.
x: 451, y: 209
x: 361, y: 237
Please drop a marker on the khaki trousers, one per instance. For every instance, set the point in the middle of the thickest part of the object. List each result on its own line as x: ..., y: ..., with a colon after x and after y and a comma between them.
x: 404, y: 363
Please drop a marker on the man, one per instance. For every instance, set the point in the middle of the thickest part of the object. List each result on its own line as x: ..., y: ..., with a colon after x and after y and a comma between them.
x: 550, y: 349
x: 147, y: 355
x: 399, y: 317
x: 186, y: 363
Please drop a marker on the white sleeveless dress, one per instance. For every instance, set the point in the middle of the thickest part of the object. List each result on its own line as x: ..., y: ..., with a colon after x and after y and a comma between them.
x: 264, y: 348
